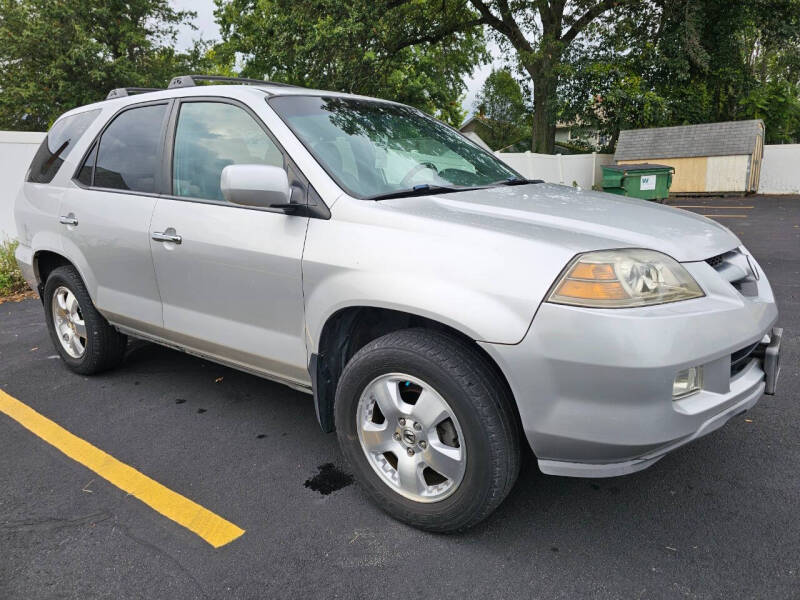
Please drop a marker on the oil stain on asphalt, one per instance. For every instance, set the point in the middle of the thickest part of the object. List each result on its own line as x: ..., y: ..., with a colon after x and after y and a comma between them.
x: 329, y: 479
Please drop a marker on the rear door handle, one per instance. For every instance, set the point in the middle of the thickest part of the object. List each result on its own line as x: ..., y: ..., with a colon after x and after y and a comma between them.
x: 160, y: 236
x: 68, y: 220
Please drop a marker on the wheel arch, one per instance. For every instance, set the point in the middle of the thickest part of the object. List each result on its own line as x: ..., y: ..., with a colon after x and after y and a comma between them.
x: 44, y: 263
x: 351, y: 328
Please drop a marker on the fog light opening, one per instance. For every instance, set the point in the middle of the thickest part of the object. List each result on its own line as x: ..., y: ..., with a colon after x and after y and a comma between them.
x: 687, y: 382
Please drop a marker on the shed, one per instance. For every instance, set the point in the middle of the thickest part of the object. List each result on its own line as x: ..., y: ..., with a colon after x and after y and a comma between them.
x: 708, y: 158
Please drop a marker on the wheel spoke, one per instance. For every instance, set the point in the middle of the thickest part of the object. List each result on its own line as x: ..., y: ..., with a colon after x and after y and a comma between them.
x: 387, y: 397
x: 72, y: 305
x: 80, y: 328
x: 410, y: 474
x: 429, y: 409
x: 61, y: 300
x: 73, y: 344
x: 378, y: 438
x: 443, y: 459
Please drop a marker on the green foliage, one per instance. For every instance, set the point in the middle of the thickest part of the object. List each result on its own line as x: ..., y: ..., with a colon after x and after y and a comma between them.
x: 378, y: 48
x: 778, y: 104
x: 11, y: 280
x: 502, y: 109
x: 689, y: 61
x: 58, y: 54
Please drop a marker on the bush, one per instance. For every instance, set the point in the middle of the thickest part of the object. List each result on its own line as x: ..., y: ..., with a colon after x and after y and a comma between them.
x: 11, y: 280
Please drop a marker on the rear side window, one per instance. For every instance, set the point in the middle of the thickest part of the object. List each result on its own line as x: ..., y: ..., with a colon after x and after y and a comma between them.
x: 55, y: 148
x: 128, y: 156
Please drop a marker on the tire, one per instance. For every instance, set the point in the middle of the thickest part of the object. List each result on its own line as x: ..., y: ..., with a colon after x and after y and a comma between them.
x: 457, y: 377
x: 103, y: 347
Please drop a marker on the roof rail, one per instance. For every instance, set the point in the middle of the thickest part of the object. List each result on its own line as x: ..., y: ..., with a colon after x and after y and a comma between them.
x: 191, y: 80
x: 129, y: 91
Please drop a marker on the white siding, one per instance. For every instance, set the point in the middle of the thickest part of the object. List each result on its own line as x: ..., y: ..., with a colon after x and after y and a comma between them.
x: 727, y: 173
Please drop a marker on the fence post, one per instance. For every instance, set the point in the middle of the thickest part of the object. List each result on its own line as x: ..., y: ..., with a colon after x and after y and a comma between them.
x: 560, y: 168
x: 594, y: 169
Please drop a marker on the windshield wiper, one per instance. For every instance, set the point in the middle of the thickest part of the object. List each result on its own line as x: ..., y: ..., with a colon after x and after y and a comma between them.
x: 420, y: 190
x: 517, y: 181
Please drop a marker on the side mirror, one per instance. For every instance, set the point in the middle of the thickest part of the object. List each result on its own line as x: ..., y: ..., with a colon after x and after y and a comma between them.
x: 262, y: 186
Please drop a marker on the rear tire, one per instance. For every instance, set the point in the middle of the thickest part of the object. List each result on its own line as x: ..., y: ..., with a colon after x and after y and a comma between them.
x: 80, y: 334
x: 433, y: 373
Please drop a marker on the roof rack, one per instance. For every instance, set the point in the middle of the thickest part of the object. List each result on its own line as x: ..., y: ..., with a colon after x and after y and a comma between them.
x: 191, y: 80
x: 129, y: 91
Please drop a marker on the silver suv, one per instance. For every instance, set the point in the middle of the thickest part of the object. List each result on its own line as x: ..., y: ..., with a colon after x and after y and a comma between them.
x: 444, y: 312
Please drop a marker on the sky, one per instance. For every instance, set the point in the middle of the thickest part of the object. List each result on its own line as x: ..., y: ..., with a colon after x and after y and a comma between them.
x: 208, y: 30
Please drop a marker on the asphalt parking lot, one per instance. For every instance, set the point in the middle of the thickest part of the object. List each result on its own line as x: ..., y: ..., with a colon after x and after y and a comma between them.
x: 715, y: 519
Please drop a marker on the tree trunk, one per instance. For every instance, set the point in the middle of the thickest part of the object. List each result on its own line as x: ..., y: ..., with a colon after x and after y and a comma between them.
x: 544, y: 117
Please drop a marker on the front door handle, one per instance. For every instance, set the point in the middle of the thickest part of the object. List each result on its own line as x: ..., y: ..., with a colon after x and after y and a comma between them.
x: 68, y: 220
x: 161, y: 236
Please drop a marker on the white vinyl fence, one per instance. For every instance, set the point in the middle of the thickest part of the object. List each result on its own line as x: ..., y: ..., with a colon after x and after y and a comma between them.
x: 582, y: 170
x: 16, y: 152
x: 780, y: 170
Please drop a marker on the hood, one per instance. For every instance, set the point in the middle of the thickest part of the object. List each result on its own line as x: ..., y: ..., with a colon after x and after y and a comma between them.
x: 579, y: 220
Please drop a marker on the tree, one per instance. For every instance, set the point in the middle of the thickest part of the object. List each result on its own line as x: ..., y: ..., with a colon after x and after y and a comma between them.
x: 366, y: 47
x: 367, y: 42
x: 689, y: 61
x: 56, y: 54
x: 501, y: 106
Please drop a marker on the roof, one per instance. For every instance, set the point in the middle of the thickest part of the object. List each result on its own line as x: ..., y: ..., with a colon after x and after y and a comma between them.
x: 477, y: 139
x: 476, y: 118
x: 232, y: 91
x: 637, y: 167
x: 689, y: 141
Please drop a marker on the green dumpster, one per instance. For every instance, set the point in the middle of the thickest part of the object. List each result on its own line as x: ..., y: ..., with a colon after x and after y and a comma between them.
x: 645, y: 181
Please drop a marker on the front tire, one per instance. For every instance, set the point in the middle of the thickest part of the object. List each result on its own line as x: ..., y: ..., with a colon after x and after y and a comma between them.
x: 428, y: 428
x: 80, y: 334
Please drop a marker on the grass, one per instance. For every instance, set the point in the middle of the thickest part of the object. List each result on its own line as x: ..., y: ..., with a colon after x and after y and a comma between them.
x: 11, y: 280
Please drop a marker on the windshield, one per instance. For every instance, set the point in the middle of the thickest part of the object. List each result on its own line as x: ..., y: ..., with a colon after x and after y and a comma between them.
x: 375, y: 148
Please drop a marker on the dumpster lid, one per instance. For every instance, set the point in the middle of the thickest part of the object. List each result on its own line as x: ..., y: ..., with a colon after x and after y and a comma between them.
x: 636, y: 167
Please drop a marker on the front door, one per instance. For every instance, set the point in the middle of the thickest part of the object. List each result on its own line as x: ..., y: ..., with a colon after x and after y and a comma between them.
x: 106, y: 217
x: 230, y: 277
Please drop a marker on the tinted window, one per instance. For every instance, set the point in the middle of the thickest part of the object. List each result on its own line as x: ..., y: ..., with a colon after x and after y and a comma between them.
x: 211, y: 136
x: 60, y: 141
x: 130, y: 149
x: 86, y: 173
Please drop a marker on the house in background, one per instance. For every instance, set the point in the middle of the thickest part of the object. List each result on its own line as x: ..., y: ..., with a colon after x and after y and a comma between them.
x: 475, y: 128
x: 708, y: 158
x: 567, y: 139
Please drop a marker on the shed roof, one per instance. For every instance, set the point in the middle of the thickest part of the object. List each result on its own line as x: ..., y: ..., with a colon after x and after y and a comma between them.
x: 688, y: 141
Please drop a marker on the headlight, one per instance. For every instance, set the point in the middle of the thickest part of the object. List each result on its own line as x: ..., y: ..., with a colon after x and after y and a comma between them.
x: 624, y: 278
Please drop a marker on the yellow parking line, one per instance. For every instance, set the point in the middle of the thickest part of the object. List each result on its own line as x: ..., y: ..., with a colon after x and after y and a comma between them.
x: 212, y: 528
x: 724, y: 216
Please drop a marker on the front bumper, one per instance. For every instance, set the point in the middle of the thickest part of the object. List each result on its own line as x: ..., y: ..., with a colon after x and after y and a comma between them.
x: 594, y: 387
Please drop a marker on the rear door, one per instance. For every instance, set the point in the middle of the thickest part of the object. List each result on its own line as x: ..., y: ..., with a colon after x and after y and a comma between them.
x: 106, y: 217
x: 230, y: 283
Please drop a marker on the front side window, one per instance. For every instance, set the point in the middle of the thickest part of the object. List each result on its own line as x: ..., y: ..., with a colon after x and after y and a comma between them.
x: 211, y: 136
x: 55, y: 148
x: 372, y: 148
x: 128, y: 156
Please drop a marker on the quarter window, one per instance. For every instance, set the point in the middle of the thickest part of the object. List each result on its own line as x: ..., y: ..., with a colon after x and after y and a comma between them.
x: 211, y: 136
x: 60, y: 141
x: 129, y: 151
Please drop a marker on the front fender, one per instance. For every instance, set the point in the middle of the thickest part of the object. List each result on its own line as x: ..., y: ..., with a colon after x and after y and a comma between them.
x: 485, y: 283
x: 472, y: 312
